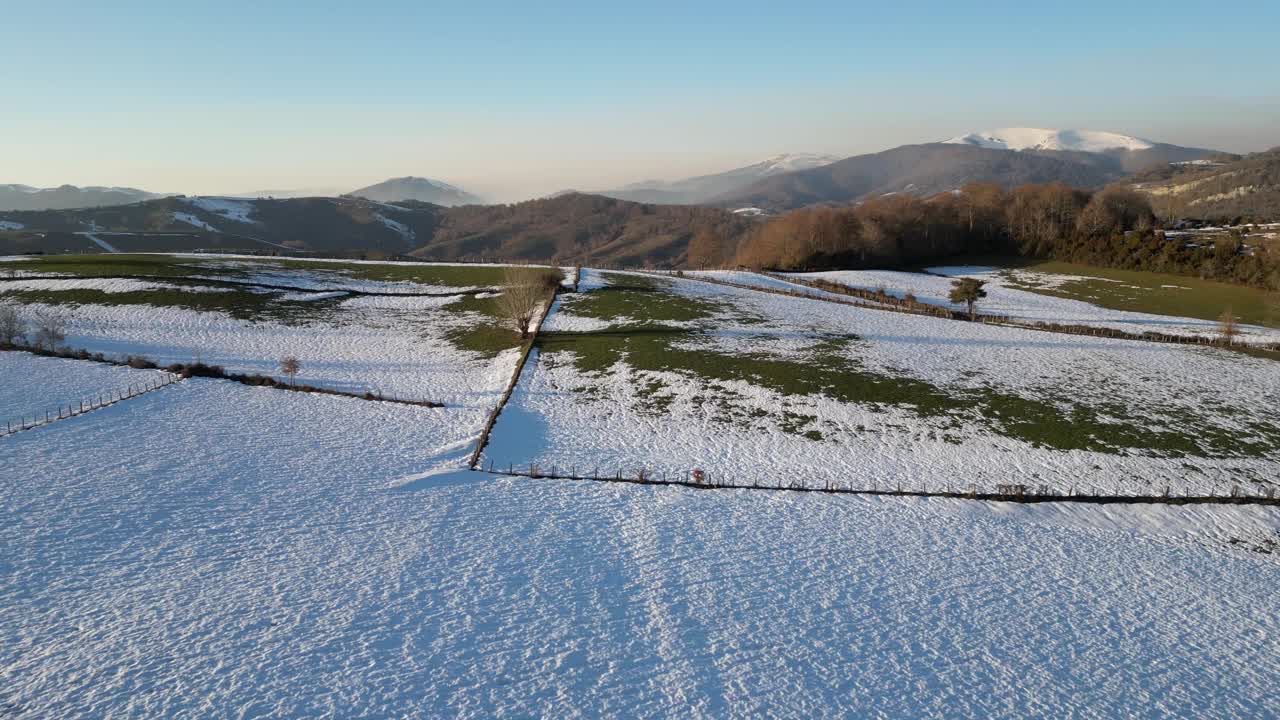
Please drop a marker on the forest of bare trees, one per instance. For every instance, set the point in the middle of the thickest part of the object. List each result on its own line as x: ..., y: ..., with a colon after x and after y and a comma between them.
x: 1113, y: 227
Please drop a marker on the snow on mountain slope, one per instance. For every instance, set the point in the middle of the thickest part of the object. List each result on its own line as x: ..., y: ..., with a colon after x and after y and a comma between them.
x: 229, y: 208
x: 1045, y: 139
x: 791, y: 162
x: 190, y: 219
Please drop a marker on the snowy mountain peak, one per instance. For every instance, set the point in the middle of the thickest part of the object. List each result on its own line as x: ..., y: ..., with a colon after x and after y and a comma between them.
x: 1044, y: 139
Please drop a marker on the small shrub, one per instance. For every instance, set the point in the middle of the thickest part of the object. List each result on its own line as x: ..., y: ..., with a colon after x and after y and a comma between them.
x: 197, y: 369
x: 291, y: 366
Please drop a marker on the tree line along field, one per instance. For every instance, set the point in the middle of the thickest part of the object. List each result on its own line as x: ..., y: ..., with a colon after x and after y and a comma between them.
x: 172, y: 552
x: 1114, y: 228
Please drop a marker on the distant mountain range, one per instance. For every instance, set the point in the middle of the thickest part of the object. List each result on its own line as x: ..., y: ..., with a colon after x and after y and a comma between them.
x: 704, y: 188
x: 417, y: 188
x: 573, y: 228
x: 1009, y: 157
x: 25, y: 197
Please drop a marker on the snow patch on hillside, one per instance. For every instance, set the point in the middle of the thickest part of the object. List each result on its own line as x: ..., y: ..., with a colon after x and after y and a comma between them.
x: 397, y: 226
x: 190, y: 219
x: 229, y: 208
x: 791, y: 162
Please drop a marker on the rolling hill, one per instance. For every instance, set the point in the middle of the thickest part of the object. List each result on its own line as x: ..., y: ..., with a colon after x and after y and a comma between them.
x: 417, y: 188
x: 572, y: 228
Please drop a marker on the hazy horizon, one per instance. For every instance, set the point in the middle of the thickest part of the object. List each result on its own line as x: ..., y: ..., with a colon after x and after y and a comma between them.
x: 510, y: 102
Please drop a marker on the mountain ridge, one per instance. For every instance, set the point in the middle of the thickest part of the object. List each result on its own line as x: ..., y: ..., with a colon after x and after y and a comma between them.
x: 700, y: 189
x: 63, y: 197
x: 930, y: 168
x: 422, y: 189
x: 1024, y: 138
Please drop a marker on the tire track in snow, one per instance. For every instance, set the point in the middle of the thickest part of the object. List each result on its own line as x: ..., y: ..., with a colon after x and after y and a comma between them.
x: 677, y: 637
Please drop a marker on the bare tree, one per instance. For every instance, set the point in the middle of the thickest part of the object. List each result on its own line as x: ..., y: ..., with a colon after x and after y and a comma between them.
x: 1228, y: 327
x: 13, y: 327
x: 523, y: 291
x: 51, y: 328
x: 968, y: 291
x: 291, y: 366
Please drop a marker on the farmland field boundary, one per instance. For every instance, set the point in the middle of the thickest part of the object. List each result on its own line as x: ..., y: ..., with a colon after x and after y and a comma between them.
x: 527, y: 348
x: 698, y: 480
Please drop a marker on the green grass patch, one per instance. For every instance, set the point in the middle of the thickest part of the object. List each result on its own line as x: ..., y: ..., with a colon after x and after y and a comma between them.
x: 167, y: 266
x: 110, y: 265
x: 243, y: 305
x: 641, y: 301
x: 445, y: 275
x: 1158, y: 293
x: 830, y: 367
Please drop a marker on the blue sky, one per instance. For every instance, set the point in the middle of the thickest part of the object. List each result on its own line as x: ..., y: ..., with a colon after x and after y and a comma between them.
x: 515, y: 99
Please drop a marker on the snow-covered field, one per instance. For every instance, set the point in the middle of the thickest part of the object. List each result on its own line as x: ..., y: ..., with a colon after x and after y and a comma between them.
x: 399, y: 347
x: 395, y: 346
x: 833, y: 393
x: 216, y: 549
x: 1023, y: 305
x: 765, y: 282
x: 220, y: 550
x: 34, y: 384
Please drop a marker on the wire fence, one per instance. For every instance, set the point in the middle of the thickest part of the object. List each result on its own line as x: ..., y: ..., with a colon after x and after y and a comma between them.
x: 70, y: 410
x: 706, y: 480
